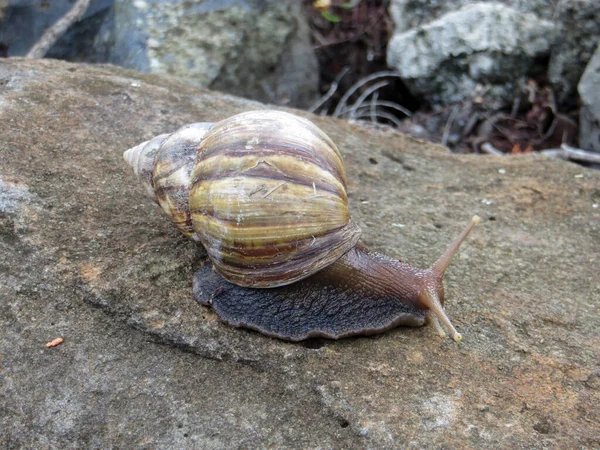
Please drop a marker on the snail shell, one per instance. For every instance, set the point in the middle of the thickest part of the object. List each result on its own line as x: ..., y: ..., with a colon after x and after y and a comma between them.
x: 264, y: 191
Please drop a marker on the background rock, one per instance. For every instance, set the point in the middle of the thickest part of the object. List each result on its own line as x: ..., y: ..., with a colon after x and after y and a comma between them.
x: 483, y: 47
x: 408, y: 14
x: 579, y: 34
x: 254, y: 48
x: 85, y: 256
x: 258, y: 49
x: 589, y: 115
x: 574, y: 37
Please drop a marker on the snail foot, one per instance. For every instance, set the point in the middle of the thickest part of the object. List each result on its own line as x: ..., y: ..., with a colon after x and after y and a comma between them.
x: 302, y: 310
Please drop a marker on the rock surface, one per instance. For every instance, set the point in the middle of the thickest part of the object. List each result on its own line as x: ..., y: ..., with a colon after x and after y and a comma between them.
x: 576, y: 31
x: 408, y: 14
x: 579, y: 34
x: 85, y: 256
x: 482, y: 47
x: 258, y: 49
x: 589, y: 114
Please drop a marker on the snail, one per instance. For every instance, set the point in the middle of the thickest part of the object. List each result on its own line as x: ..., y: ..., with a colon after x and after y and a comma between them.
x: 265, y: 194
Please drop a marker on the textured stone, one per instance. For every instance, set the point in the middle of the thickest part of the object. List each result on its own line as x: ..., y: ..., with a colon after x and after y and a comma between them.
x: 589, y: 114
x: 84, y: 255
x: 576, y: 30
x: 579, y: 34
x: 254, y: 48
x: 481, y: 47
x: 258, y: 49
x: 408, y: 14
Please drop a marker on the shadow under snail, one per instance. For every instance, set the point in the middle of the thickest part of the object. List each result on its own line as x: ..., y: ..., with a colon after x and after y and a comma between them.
x: 265, y: 193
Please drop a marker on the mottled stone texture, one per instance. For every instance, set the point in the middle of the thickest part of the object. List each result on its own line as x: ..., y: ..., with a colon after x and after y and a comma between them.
x: 482, y: 48
x: 85, y: 255
x: 408, y: 14
x: 258, y: 49
x: 589, y: 114
x: 571, y: 42
x: 579, y: 34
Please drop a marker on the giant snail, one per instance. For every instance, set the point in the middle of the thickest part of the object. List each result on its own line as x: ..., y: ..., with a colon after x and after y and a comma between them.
x: 265, y: 194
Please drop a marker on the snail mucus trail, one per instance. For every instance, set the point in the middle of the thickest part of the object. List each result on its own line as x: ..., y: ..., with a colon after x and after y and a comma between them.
x: 265, y: 193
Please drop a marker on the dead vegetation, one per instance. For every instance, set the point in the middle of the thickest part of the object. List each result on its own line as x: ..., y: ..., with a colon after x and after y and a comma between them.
x: 350, y: 40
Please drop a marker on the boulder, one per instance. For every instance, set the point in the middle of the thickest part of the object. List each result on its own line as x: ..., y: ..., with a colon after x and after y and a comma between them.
x: 577, y: 22
x: 482, y: 48
x: 253, y: 48
x: 408, y: 14
x: 576, y: 31
x: 85, y: 256
x: 258, y: 49
x: 589, y: 114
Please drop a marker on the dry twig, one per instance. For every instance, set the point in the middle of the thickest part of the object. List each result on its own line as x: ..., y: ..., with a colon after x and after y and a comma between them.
x: 373, y: 107
x: 53, y: 34
x: 574, y: 154
x: 359, y: 101
x: 448, y: 125
x: 488, y: 148
x: 381, y: 115
x: 566, y: 152
x: 343, y: 103
x: 330, y: 92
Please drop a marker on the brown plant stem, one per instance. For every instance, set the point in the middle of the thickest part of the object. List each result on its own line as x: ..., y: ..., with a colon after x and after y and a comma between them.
x: 53, y: 34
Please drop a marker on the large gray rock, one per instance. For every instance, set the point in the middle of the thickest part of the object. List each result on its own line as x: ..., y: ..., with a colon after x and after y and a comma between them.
x: 481, y: 48
x: 258, y: 49
x: 86, y: 256
x: 408, y: 14
x: 589, y: 114
x: 254, y: 48
x: 578, y: 22
x: 576, y: 29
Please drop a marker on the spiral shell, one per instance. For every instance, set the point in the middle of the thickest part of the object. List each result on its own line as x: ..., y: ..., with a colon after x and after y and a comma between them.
x: 163, y: 165
x: 267, y: 195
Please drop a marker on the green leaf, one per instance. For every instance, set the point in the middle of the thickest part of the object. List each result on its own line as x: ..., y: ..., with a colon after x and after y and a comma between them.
x: 330, y: 17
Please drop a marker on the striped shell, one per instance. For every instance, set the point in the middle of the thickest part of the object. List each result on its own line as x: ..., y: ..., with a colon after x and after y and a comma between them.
x: 163, y: 165
x: 267, y: 194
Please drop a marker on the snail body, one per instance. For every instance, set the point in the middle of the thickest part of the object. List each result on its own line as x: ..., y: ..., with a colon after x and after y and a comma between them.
x: 265, y: 193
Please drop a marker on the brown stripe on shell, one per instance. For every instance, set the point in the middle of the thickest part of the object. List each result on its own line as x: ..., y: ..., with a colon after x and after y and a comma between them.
x: 241, y: 254
x: 267, y: 150
x: 277, y: 167
x: 270, y: 210
x: 260, y: 233
x: 283, y: 203
x: 294, y: 268
x: 171, y: 174
x: 277, y: 132
x: 174, y: 201
x: 265, y: 248
x: 179, y: 149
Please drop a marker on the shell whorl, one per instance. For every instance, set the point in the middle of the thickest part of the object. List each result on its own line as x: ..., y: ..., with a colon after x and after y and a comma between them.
x: 264, y: 191
x: 141, y: 159
x: 268, y: 199
x: 163, y: 165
